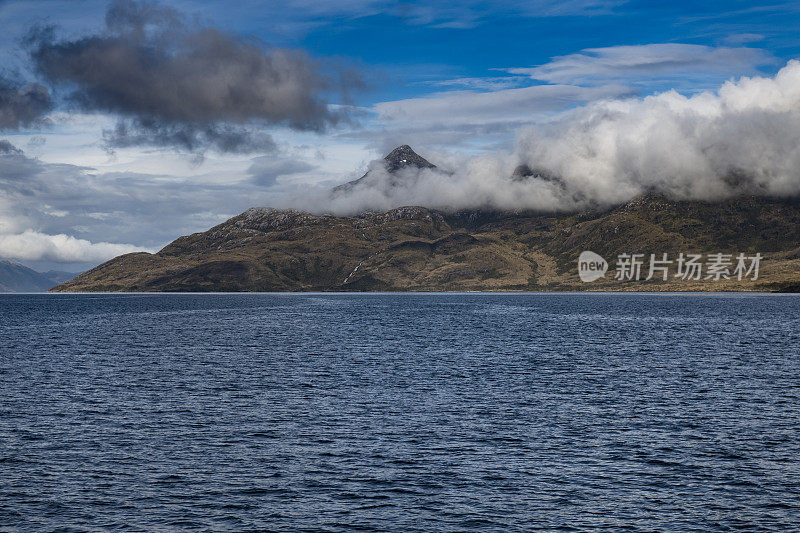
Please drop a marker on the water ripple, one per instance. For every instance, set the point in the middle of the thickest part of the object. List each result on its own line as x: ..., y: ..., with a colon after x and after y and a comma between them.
x: 399, y: 412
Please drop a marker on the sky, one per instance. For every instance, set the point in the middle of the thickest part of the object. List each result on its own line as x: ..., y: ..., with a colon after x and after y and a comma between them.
x: 126, y: 124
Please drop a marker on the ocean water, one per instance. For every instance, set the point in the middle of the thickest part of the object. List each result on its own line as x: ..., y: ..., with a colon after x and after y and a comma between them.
x: 404, y: 412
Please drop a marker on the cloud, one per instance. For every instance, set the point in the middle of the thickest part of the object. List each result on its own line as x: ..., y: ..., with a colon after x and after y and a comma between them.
x: 743, y: 38
x: 503, y: 106
x: 486, y: 83
x: 491, y: 109
x: 34, y: 246
x: 147, y: 210
x: 16, y: 168
x: 441, y: 14
x: 191, y: 137
x: 466, y: 183
x: 743, y: 138
x: 473, y: 118
x: 177, y: 82
x: 265, y: 170
x: 465, y: 15
x: 22, y: 104
x: 672, y: 61
x: 6, y: 148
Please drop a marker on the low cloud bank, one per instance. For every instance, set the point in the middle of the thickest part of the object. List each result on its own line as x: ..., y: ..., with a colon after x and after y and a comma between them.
x: 34, y: 246
x: 743, y: 138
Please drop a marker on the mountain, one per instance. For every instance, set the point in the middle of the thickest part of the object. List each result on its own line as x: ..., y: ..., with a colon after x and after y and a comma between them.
x: 18, y: 278
x: 414, y: 248
x: 58, y: 276
x: 395, y: 161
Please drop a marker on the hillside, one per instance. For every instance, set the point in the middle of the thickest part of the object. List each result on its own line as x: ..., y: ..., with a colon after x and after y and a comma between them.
x: 414, y: 248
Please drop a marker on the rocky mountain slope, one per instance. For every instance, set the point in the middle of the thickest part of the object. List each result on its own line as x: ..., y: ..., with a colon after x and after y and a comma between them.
x: 414, y: 248
x: 396, y: 160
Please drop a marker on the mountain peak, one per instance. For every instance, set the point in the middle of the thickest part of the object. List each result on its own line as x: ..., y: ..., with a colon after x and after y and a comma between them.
x: 404, y: 156
x: 399, y: 158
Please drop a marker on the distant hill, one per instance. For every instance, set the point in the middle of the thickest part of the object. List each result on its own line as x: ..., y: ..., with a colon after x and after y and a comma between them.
x: 15, y: 277
x: 59, y: 276
x: 414, y: 248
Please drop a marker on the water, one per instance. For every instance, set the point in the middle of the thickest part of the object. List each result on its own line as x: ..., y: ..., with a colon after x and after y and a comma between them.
x: 399, y: 412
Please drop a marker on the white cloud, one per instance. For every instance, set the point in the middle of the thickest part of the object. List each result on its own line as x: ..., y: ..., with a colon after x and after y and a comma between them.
x: 745, y: 138
x: 489, y: 83
x: 128, y: 200
x: 35, y: 246
x: 265, y: 170
x: 742, y: 139
x: 505, y: 106
x: 743, y: 38
x: 441, y: 14
x: 642, y: 63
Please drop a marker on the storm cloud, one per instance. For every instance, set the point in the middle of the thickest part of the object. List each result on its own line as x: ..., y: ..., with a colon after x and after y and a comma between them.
x: 176, y: 81
x: 22, y: 104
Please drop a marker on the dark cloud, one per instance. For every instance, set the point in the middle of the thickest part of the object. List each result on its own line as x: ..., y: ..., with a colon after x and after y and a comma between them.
x: 22, y: 104
x: 6, y: 148
x: 179, y: 82
x: 190, y: 137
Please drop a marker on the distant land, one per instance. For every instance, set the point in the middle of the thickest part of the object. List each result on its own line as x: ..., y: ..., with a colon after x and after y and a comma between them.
x: 15, y: 277
x: 419, y: 249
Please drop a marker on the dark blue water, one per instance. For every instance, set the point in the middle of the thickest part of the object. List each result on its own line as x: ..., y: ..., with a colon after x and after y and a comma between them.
x: 399, y: 412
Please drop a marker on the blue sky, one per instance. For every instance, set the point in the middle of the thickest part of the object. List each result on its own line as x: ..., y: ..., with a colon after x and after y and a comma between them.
x: 447, y: 78
x: 410, y: 47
